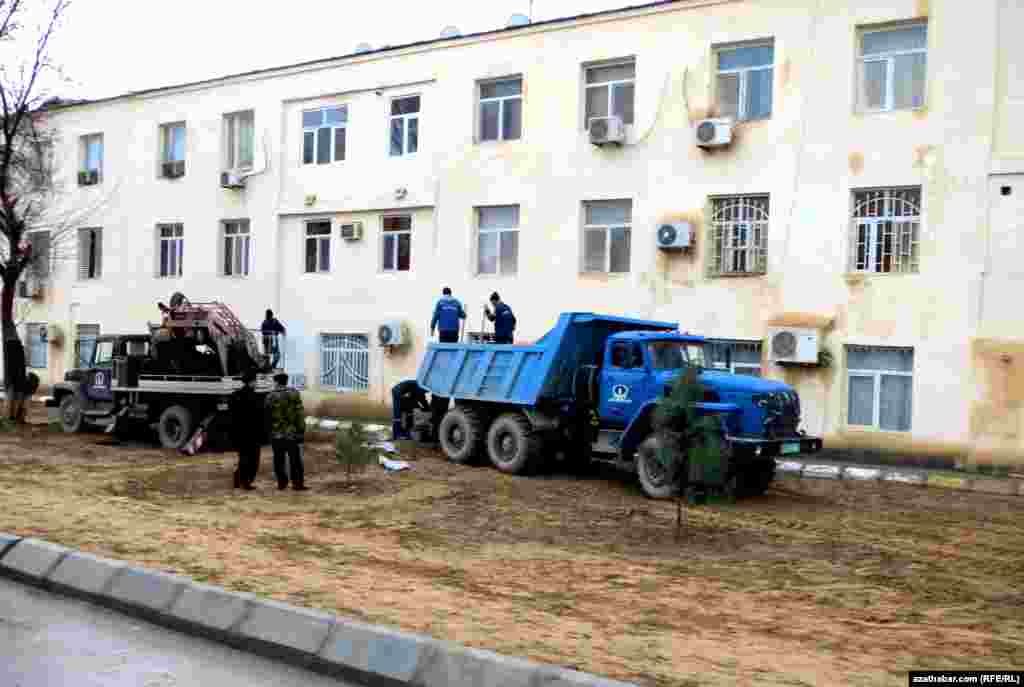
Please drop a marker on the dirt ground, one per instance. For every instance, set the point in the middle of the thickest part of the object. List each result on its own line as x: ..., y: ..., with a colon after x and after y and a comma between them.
x: 814, y: 583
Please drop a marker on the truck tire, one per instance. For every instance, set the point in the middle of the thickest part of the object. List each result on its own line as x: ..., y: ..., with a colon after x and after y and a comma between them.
x: 654, y: 479
x: 512, y: 445
x: 72, y: 417
x: 462, y: 434
x: 174, y: 427
x: 758, y: 479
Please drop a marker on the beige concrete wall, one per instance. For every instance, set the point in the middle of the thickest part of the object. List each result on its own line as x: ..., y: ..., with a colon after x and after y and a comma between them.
x: 808, y: 156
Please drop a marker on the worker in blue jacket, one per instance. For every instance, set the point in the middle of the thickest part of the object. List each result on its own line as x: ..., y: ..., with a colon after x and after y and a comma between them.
x: 503, y: 319
x: 447, y: 314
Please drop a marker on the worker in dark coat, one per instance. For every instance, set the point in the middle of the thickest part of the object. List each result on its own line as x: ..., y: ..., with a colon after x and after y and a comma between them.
x: 447, y: 313
x: 247, y: 429
x: 406, y: 396
x: 503, y: 319
x: 272, y: 331
x: 286, y: 418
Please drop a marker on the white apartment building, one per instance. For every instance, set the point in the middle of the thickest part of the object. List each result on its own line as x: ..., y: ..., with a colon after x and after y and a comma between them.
x: 872, y: 193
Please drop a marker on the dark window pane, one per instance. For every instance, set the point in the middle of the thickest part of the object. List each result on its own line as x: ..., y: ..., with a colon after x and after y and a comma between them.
x: 335, y: 115
x: 509, y: 252
x: 512, y: 119
x: 622, y: 102
x: 895, y: 403
x: 323, y: 145
x: 308, y: 146
x: 620, y: 250
x: 414, y: 135
x: 597, y: 103
x: 746, y: 57
x: 616, y: 72
x: 389, y: 253
x: 759, y: 94
x: 397, y: 223
x: 501, y: 89
x: 325, y: 255
x: 594, y: 250
x: 165, y: 258
x: 404, y: 251
x: 397, y: 134
x: 311, y: 255
x: 339, y: 144
x: 729, y: 95
x: 408, y: 105
x: 312, y: 118
x: 489, y: 120
x: 228, y: 245
x: 862, y: 401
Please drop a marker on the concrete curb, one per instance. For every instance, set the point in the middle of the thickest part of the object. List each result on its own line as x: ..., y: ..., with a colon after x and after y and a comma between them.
x: 792, y: 469
x: 367, y: 654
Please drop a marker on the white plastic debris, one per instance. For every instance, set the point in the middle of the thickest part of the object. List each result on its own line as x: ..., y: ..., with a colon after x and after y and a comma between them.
x: 905, y: 477
x: 789, y: 467
x: 393, y: 465
x: 822, y: 471
x: 312, y: 421
x: 329, y: 425
x: 862, y: 473
x: 383, y: 446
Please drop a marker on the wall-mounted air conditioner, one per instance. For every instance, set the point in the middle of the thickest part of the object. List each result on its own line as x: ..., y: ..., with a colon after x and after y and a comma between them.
x: 173, y: 170
x: 391, y: 334
x: 713, y: 133
x: 793, y: 345
x: 352, y: 232
x: 232, y: 180
x: 674, y: 236
x: 604, y: 130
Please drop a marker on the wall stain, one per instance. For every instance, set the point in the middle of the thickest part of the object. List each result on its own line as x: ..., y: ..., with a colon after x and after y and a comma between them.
x: 856, y: 163
x: 922, y: 155
x: 802, y: 319
x: 923, y: 8
x: 786, y: 73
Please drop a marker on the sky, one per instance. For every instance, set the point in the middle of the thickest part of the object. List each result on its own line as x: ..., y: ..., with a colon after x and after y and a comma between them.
x: 109, y: 47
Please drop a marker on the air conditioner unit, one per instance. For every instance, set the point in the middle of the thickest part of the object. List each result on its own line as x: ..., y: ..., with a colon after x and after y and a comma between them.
x: 88, y: 177
x: 391, y: 334
x: 352, y: 232
x: 232, y: 180
x: 713, y: 133
x: 674, y: 236
x: 793, y: 345
x: 605, y: 130
x: 173, y: 170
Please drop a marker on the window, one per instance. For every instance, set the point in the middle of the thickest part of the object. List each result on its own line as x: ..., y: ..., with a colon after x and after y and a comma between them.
x: 236, y: 248
x: 85, y: 344
x: 318, y: 247
x: 737, y: 357
x: 90, y: 253
x: 345, y: 361
x: 609, y: 91
x: 881, y: 382
x: 739, y: 235
x: 745, y: 81
x: 105, y: 353
x: 627, y: 356
x: 673, y: 355
x: 173, y: 150
x: 501, y: 110
x: 396, y: 243
x: 171, y: 239
x: 91, y: 171
x: 36, y: 355
x: 405, y: 125
x: 606, y: 235
x: 886, y: 228
x: 323, y: 135
x: 498, y: 240
x: 893, y: 63
x: 239, y: 134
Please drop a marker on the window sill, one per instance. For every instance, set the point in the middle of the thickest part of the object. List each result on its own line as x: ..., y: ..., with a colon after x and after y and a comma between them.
x: 88, y: 280
x: 486, y: 275
x: 874, y: 431
x: 860, y: 277
x: 603, y: 276
x: 736, y: 275
x: 234, y: 276
x: 866, y: 113
x: 498, y: 142
x: 325, y: 273
x: 396, y: 273
x: 169, y: 276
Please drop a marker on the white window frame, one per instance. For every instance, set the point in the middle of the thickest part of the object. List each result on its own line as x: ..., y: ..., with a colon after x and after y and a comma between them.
x: 177, y: 239
x: 728, y: 215
x: 906, y: 255
x: 876, y: 409
x: 890, y: 69
x: 240, y: 237
x: 86, y: 140
x: 97, y: 256
x: 608, y: 238
x: 501, y: 100
x: 405, y: 125
x: 315, y: 130
x: 743, y: 75
x: 499, y: 231
x: 340, y: 344
x: 396, y: 233
x: 610, y: 85
x: 321, y: 240
x: 233, y: 142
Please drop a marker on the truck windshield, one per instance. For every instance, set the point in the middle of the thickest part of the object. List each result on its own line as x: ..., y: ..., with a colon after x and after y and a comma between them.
x: 673, y: 355
x: 104, y: 353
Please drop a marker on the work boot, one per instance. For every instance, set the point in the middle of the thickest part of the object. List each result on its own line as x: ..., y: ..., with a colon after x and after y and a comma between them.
x: 300, y: 487
x: 238, y: 482
x: 248, y: 487
x: 282, y: 485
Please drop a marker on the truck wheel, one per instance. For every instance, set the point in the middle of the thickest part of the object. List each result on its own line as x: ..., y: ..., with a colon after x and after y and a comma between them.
x: 759, y: 479
x: 655, y: 480
x: 174, y: 427
x: 72, y: 418
x: 512, y: 445
x: 462, y: 433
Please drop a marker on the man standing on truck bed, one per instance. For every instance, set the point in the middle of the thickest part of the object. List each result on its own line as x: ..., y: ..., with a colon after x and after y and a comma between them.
x: 503, y: 319
x: 247, y: 430
x: 447, y: 314
x: 287, y: 421
x: 272, y: 329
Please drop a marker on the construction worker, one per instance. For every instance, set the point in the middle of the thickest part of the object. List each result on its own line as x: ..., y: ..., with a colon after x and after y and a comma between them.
x: 286, y: 418
x: 447, y: 314
x: 246, y: 430
x: 406, y: 396
x: 503, y: 319
x: 272, y: 330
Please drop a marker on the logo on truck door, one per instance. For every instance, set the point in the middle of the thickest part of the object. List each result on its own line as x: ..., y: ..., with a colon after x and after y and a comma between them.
x: 101, y: 379
x: 620, y: 394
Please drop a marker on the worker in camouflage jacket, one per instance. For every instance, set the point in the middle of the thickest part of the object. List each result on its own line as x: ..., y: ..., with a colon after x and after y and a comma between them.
x: 286, y: 418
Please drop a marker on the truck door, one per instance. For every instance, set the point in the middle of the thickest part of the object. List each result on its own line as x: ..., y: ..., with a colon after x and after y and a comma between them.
x: 623, y: 383
x: 97, y: 380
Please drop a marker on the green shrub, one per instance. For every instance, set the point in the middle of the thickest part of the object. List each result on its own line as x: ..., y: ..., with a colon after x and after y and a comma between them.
x: 351, y: 451
x: 693, y: 444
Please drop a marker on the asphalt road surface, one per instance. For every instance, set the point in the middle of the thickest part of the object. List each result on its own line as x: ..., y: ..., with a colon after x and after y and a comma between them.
x: 52, y: 641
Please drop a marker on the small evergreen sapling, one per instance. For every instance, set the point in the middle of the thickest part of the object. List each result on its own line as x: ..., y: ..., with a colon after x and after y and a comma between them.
x: 351, y: 450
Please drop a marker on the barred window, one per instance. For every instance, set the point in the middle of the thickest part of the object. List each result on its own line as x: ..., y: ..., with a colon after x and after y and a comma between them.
x: 886, y: 230
x: 739, y: 235
x: 345, y: 361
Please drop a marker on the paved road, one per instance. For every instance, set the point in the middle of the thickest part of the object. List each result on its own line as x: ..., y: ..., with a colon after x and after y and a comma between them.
x: 52, y: 641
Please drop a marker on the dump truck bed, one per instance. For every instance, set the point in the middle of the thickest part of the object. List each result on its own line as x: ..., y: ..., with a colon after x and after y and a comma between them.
x: 524, y: 374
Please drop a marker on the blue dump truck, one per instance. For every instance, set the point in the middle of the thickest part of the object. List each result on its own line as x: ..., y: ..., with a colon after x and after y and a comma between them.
x: 588, y: 388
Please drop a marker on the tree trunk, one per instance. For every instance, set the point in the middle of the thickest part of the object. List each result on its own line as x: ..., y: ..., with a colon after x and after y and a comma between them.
x: 14, y: 353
